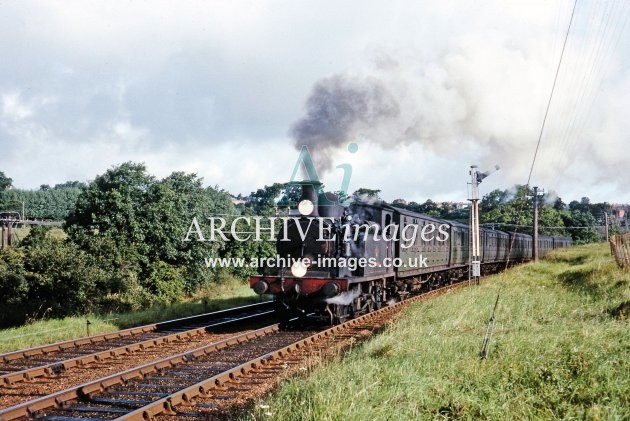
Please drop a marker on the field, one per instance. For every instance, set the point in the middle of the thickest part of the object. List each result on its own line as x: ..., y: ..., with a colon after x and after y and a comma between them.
x: 230, y: 293
x: 560, y: 349
x: 55, y: 232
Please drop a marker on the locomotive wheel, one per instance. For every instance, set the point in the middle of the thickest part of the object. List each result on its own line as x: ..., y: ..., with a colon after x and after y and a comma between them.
x: 378, y: 294
x: 342, y: 313
x: 370, y: 304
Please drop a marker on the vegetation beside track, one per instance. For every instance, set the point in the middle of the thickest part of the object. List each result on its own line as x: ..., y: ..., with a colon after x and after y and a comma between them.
x: 218, y: 296
x: 55, y: 232
x: 559, y: 350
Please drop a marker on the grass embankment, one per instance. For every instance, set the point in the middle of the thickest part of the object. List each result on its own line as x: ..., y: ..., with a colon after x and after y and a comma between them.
x: 560, y: 349
x: 228, y: 294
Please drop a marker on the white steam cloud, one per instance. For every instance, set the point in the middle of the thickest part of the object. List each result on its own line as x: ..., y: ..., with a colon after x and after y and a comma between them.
x: 345, y: 298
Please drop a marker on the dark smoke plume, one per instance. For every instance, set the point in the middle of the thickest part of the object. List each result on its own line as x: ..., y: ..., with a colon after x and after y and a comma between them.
x: 338, y: 110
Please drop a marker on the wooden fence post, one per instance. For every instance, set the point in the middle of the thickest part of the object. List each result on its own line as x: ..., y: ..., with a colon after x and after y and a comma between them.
x: 620, y: 249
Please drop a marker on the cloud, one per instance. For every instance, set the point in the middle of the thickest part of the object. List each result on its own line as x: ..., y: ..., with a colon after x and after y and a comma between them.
x: 483, y: 97
x: 13, y: 109
x: 425, y: 89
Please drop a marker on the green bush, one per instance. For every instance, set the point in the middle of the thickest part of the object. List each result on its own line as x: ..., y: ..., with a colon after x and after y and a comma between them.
x: 46, y: 276
x: 165, y: 283
x: 13, y: 287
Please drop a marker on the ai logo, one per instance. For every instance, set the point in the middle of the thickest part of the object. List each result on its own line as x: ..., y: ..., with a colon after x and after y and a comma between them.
x: 305, y: 159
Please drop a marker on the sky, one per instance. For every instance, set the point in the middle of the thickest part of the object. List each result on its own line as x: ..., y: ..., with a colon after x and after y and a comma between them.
x: 232, y: 90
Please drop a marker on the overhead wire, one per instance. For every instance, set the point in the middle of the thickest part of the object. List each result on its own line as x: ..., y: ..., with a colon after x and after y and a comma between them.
x: 553, y: 88
x: 597, y: 52
x: 602, y: 66
x: 576, y: 89
x: 542, y: 128
x: 612, y: 22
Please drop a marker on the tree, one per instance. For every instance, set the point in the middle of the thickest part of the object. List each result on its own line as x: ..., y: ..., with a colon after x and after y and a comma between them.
x: 136, y: 225
x: 55, y: 204
x: 342, y: 196
x: 460, y: 215
x: 111, y: 207
x: 172, y: 203
x: 264, y: 202
x: 598, y: 210
x: 583, y: 205
x: 291, y: 195
x: 429, y: 208
x: 548, y: 219
x: 5, y: 182
x: 61, y: 277
x: 413, y: 206
x: 581, y: 226
x: 513, y: 208
x: 71, y: 185
x: 399, y: 203
x: 494, y: 199
x: 14, y: 287
x: 366, y: 194
x: 47, y: 276
x: 108, y: 224
x: 559, y: 205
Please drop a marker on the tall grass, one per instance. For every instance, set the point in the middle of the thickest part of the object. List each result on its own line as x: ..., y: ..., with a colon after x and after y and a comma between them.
x: 560, y: 349
x: 228, y: 293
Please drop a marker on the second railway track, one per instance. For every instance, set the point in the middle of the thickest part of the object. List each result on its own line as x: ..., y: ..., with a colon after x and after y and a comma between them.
x: 32, y: 368
x: 202, y: 383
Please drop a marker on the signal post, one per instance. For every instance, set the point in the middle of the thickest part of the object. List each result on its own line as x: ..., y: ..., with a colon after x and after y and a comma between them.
x: 476, y: 177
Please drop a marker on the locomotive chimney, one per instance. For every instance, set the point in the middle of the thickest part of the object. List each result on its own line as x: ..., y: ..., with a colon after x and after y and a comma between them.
x: 308, y: 202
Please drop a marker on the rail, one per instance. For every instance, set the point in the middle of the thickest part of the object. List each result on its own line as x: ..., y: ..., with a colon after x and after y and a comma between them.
x: 25, y: 364
x: 159, y: 387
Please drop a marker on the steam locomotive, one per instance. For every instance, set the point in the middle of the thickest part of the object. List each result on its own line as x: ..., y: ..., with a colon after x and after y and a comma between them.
x: 337, y: 262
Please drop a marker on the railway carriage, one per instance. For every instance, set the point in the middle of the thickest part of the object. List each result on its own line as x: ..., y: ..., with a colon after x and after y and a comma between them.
x: 562, y: 242
x: 545, y: 243
x: 425, y: 255
x: 363, y: 256
x: 459, y: 240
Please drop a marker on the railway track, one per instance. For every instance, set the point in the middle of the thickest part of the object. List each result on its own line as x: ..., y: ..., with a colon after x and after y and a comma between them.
x: 207, y: 381
x: 53, y: 359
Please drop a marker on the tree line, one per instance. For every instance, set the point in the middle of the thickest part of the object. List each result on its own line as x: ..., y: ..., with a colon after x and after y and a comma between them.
x: 49, y: 203
x: 512, y: 210
x: 122, y: 248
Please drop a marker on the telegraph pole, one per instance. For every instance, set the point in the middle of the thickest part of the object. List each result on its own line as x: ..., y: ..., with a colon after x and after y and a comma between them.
x: 536, y: 194
x: 606, y: 218
x: 535, y: 224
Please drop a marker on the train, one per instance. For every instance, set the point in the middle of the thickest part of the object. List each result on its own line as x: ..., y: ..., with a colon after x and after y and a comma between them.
x: 336, y: 262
